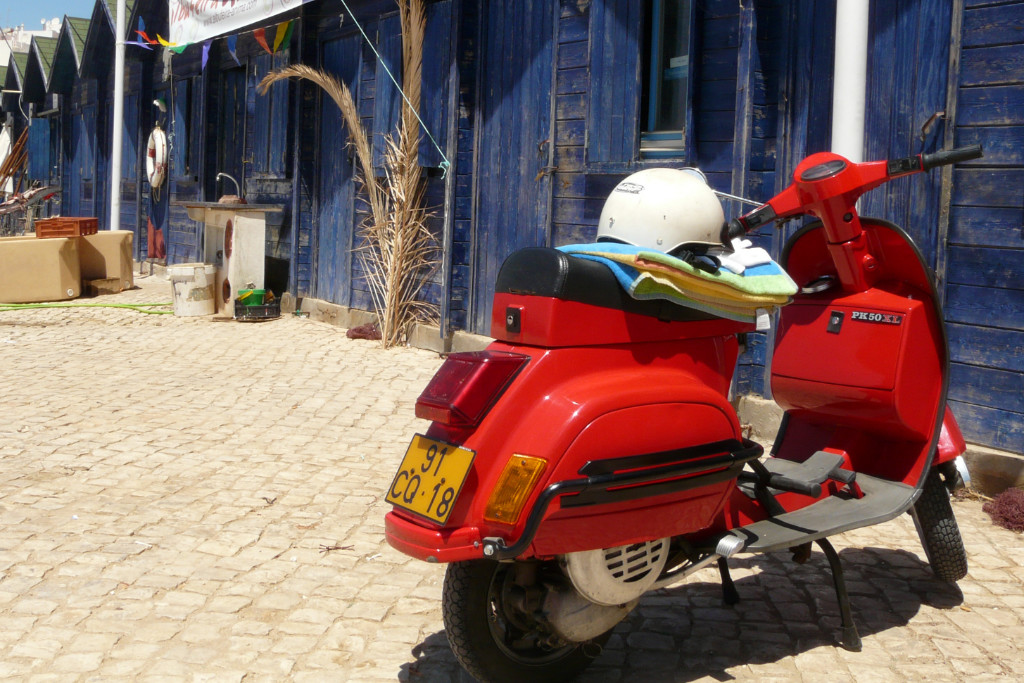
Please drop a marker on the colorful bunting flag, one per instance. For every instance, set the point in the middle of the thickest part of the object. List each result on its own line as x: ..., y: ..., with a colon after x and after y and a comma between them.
x: 206, y: 53
x: 284, y: 33
x: 232, y: 44
x: 261, y: 38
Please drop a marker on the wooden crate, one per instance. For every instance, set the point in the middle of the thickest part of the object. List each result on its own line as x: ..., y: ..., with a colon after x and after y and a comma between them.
x: 68, y: 226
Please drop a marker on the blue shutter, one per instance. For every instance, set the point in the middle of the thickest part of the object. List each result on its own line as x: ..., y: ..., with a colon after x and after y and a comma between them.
x: 387, y: 99
x: 437, y: 63
x: 263, y: 108
x: 613, y: 109
x: 39, y: 150
x: 270, y: 119
x: 129, y: 137
x: 277, y: 145
x: 179, y: 144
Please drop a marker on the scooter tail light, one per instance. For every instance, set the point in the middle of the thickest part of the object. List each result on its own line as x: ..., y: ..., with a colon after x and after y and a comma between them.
x: 467, y: 386
x: 514, y: 486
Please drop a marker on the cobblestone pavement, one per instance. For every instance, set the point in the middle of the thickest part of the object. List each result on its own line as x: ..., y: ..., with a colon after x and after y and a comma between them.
x: 184, y: 499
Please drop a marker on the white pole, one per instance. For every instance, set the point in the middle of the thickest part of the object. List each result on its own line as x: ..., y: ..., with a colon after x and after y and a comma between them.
x: 116, y: 142
x: 850, y: 78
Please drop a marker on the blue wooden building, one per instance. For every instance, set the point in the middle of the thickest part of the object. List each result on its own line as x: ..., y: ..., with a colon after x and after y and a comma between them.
x: 542, y: 106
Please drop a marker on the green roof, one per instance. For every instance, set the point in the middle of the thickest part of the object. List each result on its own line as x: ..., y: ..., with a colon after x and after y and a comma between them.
x: 129, y: 5
x: 20, y: 60
x: 46, y: 47
x: 79, y: 29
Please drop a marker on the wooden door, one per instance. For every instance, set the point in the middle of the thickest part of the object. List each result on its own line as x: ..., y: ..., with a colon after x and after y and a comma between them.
x: 514, y: 131
x: 335, y: 214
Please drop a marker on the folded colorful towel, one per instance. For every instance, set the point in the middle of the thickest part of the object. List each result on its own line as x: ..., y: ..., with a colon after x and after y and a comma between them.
x: 649, y: 274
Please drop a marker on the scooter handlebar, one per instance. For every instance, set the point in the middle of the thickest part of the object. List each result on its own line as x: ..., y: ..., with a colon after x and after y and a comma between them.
x: 790, y: 203
x: 950, y: 156
x: 733, y: 229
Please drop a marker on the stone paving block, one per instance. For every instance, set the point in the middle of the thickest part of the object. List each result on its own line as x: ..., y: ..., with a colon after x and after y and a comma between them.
x: 152, y: 528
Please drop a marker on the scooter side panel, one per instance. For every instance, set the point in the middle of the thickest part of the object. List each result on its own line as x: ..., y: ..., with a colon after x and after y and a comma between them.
x: 635, y: 431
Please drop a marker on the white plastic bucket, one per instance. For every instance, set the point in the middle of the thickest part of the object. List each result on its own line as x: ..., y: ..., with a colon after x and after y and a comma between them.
x: 193, y: 285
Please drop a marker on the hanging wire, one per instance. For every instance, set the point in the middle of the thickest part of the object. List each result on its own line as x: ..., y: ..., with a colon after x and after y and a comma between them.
x: 445, y: 164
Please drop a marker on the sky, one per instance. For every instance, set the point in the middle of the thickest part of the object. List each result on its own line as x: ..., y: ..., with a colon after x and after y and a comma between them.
x: 32, y: 12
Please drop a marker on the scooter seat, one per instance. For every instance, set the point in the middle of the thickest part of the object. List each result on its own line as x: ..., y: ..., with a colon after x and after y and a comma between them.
x: 542, y: 271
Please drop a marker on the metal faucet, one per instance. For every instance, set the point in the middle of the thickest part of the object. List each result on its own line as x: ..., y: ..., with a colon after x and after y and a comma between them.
x: 238, y: 191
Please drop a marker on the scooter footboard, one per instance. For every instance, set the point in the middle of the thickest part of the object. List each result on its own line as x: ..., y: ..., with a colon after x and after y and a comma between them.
x: 662, y: 494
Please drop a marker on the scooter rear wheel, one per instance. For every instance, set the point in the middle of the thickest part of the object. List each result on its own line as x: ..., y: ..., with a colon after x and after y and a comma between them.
x: 494, y: 640
x: 937, y: 527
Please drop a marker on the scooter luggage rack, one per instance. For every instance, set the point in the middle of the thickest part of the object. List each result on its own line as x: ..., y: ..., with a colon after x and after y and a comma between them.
x: 660, y: 475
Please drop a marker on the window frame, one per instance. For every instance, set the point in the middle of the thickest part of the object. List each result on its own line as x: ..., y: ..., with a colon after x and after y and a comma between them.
x: 655, y: 41
x: 624, y: 47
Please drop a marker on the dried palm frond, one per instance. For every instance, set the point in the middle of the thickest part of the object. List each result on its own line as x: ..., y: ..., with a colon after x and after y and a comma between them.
x: 397, y: 250
x: 358, y: 137
x: 400, y: 254
x: 413, y: 17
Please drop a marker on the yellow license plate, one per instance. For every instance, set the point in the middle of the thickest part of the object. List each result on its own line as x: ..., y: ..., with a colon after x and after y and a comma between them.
x: 430, y: 478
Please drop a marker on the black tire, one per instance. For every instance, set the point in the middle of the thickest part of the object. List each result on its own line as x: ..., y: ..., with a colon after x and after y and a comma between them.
x: 937, y: 527
x: 489, y: 645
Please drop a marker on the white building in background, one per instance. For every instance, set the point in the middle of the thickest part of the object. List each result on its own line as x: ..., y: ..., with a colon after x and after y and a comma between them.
x: 17, y: 39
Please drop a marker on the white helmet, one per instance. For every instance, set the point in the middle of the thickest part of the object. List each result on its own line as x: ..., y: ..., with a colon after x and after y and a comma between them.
x: 663, y: 209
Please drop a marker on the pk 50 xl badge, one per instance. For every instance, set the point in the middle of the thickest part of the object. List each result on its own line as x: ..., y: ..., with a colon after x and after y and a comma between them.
x: 884, y: 318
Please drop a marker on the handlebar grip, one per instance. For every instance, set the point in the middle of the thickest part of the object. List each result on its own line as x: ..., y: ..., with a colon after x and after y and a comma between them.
x: 777, y: 481
x: 732, y: 230
x: 950, y: 156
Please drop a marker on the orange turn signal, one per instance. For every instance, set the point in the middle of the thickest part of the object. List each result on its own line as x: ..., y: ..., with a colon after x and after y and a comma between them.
x: 513, y: 488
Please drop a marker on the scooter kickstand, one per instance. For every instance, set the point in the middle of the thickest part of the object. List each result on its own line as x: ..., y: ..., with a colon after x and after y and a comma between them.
x: 850, y: 639
x: 730, y: 595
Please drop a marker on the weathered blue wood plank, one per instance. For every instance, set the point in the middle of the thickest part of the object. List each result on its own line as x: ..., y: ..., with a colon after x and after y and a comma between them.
x: 986, y: 387
x: 570, y: 132
x: 572, y: 106
x: 572, y: 55
x: 997, y: 25
x: 985, y: 306
x: 991, y: 106
x: 986, y: 227
x: 569, y: 184
x: 984, y: 187
x: 1003, y: 145
x: 572, y: 28
x: 573, y: 233
x: 577, y: 210
x: 986, y: 346
x: 991, y: 65
x: 569, y: 158
x: 571, y: 81
x: 998, y: 428
x: 986, y: 267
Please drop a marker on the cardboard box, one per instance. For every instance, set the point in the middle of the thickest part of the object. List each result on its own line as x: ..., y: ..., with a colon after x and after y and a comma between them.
x: 34, y: 270
x: 107, y: 255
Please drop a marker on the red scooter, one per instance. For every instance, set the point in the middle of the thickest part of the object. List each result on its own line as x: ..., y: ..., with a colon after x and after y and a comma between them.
x: 591, y: 454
